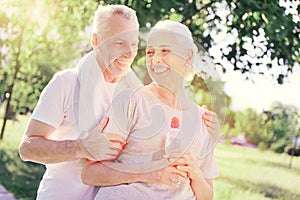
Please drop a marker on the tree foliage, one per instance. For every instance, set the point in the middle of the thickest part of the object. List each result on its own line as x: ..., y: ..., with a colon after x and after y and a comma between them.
x: 273, y: 31
x: 209, y: 92
x: 279, y: 122
x: 38, y: 38
x: 266, y: 32
x: 46, y: 36
x: 249, y: 123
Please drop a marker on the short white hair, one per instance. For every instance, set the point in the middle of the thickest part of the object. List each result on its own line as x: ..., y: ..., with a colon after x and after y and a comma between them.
x: 201, y: 62
x: 103, y: 13
x: 181, y: 34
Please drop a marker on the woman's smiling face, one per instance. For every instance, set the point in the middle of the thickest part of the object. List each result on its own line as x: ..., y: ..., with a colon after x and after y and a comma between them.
x: 166, y: 57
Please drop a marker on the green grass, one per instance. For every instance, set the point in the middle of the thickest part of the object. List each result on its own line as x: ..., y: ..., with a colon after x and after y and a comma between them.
x: 245, y: 173
x: 20, y: 178
x: 13, y: 132
x: 255, y: 175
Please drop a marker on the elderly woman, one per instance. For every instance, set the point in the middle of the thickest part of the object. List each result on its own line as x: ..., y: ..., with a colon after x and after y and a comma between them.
x: 163, y: 127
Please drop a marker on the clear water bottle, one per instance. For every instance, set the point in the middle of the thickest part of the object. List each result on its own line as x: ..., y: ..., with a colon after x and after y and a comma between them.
x: 173, y: 142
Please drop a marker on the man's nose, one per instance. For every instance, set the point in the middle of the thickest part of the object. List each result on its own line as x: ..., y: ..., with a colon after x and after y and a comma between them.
x: 129, y: 51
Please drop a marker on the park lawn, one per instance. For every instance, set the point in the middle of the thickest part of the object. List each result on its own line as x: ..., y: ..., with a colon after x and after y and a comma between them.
x: 245, y: 173
x: 252, y: 174
x: 20, y: 178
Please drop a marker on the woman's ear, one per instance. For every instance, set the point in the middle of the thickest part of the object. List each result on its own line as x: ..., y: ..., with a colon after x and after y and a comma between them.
x: 190, y: 56
x: 189, y: 70
x: 95, y: 40
x: 188, y: 60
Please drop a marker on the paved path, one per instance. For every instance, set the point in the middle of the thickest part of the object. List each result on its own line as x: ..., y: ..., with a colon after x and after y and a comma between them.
x: 4, y: 195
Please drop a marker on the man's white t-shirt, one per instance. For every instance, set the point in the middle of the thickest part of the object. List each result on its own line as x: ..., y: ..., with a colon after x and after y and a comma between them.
x: 58, y: 106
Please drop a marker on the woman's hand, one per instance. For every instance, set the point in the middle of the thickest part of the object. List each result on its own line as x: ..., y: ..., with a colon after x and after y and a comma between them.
x: 169, y: 175
x: 188, y: 164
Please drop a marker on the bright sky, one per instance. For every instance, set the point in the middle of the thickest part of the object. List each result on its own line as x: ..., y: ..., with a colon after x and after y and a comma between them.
x: 264, y: 91
x: 261, y: 94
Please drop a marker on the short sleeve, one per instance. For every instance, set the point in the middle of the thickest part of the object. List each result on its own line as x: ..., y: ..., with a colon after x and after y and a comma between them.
x: 121, y: 114
x: 50, y: 107
x: 208, y: 166
x: 207, y: 143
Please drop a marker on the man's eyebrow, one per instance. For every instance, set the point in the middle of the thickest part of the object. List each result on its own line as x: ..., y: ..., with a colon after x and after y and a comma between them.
x: 122, y: 39
x: 119, y: 39
x: 164, y: 45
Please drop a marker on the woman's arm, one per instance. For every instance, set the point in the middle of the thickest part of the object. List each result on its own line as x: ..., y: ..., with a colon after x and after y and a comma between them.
x: 202, y: 187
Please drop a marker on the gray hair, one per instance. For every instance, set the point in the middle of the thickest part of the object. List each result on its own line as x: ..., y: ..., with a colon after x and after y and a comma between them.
x: 103, y: 13
x: 201, y: 62
x: 182, y: 35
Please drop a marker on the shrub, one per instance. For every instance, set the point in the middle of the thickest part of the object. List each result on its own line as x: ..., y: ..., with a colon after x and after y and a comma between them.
x: 262, y: 146
x: 296, y: 151
x: 278, y: 147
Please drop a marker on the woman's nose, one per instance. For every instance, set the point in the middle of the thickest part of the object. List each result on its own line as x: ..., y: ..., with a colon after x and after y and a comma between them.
x: 156, y: 57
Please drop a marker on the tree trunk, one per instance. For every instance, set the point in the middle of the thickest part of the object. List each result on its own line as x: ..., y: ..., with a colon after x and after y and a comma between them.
x: 6, y: 111
x: 270, y: 142
x: 11, y: 88
x: 293, y: 152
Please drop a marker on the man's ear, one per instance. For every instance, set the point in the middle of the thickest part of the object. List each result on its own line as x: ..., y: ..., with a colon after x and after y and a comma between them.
x: 95, y: 40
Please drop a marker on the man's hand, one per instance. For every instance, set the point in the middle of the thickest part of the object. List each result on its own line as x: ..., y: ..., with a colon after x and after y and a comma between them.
x: 211, y: 121
x: 100, y: 146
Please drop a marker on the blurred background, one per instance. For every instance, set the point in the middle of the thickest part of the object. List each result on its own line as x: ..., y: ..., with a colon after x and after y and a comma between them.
x: 253, y: 44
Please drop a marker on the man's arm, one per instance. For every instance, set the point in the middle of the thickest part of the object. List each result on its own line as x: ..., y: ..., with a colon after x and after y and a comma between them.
x: 108, y: 174
x: 37, y: 146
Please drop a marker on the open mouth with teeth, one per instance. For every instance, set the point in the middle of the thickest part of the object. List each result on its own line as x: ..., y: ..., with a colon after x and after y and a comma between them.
x: 159, y: 69
x: 122, y: 64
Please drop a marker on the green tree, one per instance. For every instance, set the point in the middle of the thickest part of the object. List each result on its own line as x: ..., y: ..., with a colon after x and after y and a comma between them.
x: 229, y: 125
x: 266, y: 30
x: 295, y: 132
x: 209, y: 92
x: 39, y: 38
x: 267, y: 33
x: 279, y: 122
x: 249, y: 123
